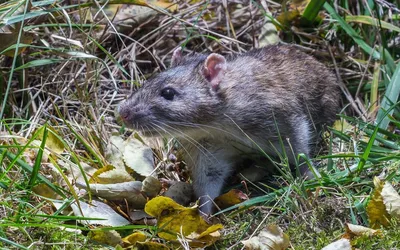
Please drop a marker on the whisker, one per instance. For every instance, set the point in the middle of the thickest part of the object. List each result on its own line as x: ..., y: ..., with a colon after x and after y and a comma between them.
x: 196, y: 125
x: 193, y: 141
x: 167, y: 132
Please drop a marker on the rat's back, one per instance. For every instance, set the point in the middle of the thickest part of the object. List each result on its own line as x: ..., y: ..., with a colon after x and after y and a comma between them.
x: 282, y: 80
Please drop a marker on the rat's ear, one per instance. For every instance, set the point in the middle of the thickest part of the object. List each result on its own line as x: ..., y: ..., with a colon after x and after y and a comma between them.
x: 214, y: 69
x: 176, y: 57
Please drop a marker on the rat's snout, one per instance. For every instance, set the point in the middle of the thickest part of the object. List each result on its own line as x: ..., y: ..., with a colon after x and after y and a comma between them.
x: 133, y: 115
x: 124, y: 112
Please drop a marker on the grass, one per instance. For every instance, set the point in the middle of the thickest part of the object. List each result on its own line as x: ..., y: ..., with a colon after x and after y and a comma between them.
x: 65, y: 67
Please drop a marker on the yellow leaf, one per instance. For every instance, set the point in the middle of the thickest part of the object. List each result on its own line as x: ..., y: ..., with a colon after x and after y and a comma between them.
x: 287, y: 17
x: 132, y: 239
x: 154, y: 3
x: 152, y: 245
x: 376, y: 209
x: 44, y: 190
x: 210, y: 236
x: 139, y: 238
x: 109, y: 237
x: 53, y: 142
x: 230, y: 198
x: 210, y: 230
x: 104, y: 169
x: 299, y: 4
x: 343, y: 125
x: 109, y: 174
x: 270, y: 238
x: 391, y: 199
x: 116, y: 175
x: 165, y: 4
x: 174, y: 219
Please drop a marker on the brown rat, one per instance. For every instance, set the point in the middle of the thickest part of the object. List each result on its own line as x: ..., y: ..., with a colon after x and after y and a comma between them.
x: 220, y: 108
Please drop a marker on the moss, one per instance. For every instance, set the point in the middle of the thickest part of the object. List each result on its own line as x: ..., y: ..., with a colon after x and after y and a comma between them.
x: 389, y: 239
x: 48, y: 238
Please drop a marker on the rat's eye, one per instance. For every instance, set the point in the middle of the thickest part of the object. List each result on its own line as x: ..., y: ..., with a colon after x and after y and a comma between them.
x: 168, y: 93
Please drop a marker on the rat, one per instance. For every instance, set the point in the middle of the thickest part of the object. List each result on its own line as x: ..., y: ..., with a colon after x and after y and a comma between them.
x: 274, y: 99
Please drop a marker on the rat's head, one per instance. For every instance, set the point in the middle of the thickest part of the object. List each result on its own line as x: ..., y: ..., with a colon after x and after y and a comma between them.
x: 179, y: 99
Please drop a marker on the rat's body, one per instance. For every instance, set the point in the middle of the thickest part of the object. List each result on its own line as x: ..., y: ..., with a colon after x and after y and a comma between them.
x: 220, y: 109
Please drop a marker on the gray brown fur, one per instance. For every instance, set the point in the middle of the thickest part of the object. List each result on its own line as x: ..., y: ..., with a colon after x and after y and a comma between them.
x: 276, y: 85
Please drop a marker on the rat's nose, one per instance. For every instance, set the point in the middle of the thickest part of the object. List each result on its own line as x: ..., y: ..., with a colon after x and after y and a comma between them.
x: 123, y: 111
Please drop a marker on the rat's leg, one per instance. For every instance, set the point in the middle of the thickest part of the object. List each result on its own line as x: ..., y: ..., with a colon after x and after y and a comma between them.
x: 301, y: 141
x: 212, y: 164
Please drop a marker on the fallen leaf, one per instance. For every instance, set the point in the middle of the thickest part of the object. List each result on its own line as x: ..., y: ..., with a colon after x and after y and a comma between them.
x: 391, y: 199
x: 131, y: 191
x: 136, y: 12
x: 75, y: 173
x: 53, y: 142
x: 376, y: 209
x: 115, y: 175
x: 95, y: 179
x: 298, y: 4
x: 286, y: 18
x: 210, y: 235
x: 342, y: 244
x: 139, y: 239
x: 114, y: 152
x: 151, y: 186
x: 152, y: 245
x: 35, y: 151
x: 360, y: 230
x: 134, y: 237
x: 45, y: 191
x: 108, y: 237
x: 270, y: 238
x: 343, y: 126
x: 233, y: 197
x: 104, y: 213
x: 138, y: 157
x: 174, y: 219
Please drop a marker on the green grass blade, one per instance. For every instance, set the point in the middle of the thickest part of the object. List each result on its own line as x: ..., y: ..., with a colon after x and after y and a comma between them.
x: 38, y: 160
x: 39, y: 62
x: 19, y: 18
x: 372, y: 21
x: 25, y: 166
x: 351, y: 32
x: 390, y: 63
x: 312, y: 10
x: 371, y: 141
x: 391, y: 96
x: 12, y: 243
x: 43, y: 3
